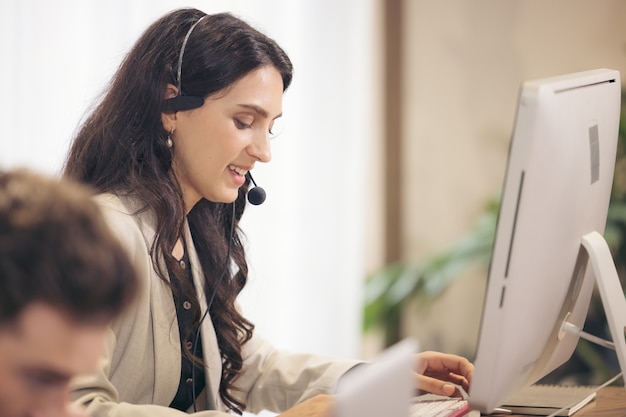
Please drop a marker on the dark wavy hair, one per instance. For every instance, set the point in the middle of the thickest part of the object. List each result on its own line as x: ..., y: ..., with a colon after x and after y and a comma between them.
x: 121, y: 148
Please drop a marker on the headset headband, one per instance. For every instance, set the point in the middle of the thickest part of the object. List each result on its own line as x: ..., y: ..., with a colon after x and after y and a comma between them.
x: 180, y: 102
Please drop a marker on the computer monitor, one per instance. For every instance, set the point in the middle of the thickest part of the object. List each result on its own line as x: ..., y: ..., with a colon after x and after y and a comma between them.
x: 556, y: 192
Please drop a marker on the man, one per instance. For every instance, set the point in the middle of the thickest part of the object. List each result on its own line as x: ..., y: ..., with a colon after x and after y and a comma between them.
x: 63, y: 278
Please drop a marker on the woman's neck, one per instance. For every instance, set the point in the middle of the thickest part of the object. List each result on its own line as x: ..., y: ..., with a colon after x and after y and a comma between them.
x: 179, y: 250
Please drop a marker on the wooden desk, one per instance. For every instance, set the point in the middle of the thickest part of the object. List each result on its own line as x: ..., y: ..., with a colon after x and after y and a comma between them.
x: 610, y: 402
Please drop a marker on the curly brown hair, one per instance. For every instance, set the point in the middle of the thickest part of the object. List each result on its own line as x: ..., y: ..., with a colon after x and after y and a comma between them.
x: 56, y: 248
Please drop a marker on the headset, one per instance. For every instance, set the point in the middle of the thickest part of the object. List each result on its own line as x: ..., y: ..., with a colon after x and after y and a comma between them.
x: 256, y: 195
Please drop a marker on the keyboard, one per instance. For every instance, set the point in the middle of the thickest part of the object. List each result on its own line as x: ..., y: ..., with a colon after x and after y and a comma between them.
x: 437, y: 406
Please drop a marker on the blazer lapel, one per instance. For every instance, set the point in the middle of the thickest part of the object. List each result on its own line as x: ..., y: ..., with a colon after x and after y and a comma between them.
x: 212, y: 357
x: 166, y: 340
x: 167, y: 352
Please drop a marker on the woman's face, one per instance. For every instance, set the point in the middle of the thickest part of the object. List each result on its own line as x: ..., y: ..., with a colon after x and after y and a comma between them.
x: 217, y: 144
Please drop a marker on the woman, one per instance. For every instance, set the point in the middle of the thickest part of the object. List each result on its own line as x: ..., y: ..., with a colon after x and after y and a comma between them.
x: 169, y: 149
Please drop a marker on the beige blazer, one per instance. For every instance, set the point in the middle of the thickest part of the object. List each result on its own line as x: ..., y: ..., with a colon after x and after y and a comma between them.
x: 140, y: 370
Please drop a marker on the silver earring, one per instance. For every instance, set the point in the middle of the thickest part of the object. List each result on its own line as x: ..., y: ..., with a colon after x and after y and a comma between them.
x: 168, y: 142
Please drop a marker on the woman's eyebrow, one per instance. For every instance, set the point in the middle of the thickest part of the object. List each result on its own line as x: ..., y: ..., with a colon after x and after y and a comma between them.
x: 258, y: 110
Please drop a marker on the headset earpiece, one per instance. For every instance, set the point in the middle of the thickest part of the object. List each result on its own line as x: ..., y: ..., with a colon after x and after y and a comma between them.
x: 180, y: 103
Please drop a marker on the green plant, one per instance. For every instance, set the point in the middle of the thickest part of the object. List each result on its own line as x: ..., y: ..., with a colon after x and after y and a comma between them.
x: 389, y: 290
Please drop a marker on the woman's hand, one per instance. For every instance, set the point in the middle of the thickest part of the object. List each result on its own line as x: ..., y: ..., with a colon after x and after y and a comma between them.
x: 318, y: 406
x: 438, y: 372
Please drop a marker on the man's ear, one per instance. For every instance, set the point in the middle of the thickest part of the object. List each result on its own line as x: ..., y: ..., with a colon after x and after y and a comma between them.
x: 169, y: 119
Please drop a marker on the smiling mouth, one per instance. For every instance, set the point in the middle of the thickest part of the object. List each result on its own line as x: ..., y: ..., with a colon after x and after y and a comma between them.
x: 238, y: 170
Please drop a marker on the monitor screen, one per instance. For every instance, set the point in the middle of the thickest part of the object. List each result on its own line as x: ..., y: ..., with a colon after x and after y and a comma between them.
x: 556, y: 190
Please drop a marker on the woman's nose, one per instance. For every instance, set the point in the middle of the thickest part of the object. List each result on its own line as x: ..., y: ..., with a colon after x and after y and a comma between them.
x: 260, y: 147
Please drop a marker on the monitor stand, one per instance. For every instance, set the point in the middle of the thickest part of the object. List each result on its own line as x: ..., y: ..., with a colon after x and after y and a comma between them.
x: 612, y: 294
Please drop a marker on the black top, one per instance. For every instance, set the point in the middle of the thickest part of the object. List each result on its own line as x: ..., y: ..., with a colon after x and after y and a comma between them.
x: 192, y: 376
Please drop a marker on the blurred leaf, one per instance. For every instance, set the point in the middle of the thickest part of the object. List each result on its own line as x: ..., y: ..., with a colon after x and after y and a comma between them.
x: 388, y: 290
